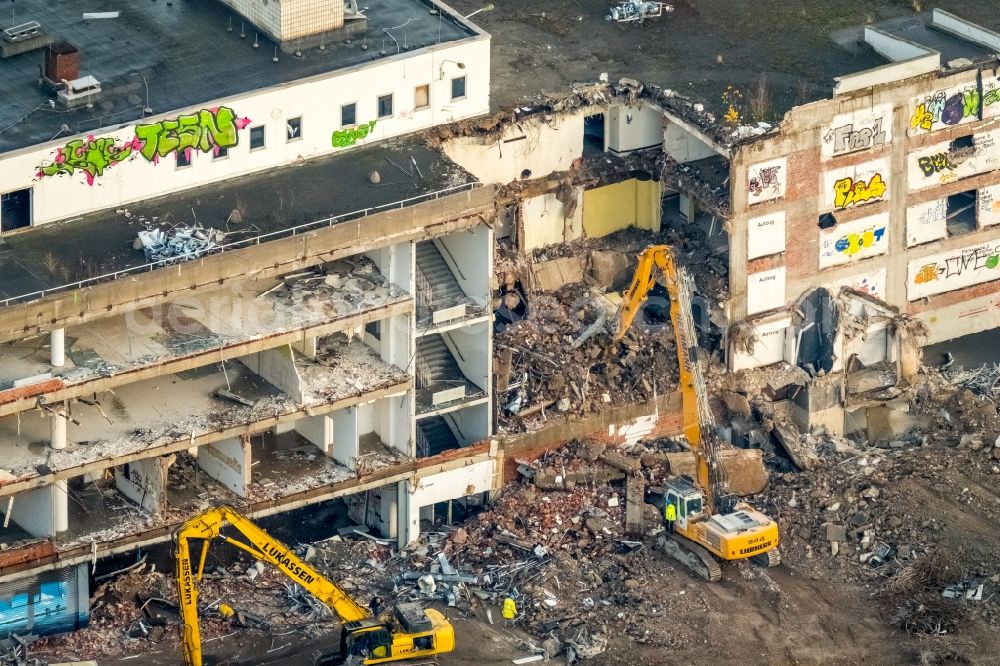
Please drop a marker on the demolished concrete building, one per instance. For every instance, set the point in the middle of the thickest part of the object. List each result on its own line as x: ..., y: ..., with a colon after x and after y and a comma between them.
x: 390, y: 278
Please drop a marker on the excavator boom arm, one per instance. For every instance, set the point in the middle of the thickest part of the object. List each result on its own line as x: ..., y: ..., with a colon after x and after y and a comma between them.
x: 208, y: 525
x: 694, y: 406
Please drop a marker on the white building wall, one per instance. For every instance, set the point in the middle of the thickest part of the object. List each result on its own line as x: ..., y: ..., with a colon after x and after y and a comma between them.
x: 316, y: 100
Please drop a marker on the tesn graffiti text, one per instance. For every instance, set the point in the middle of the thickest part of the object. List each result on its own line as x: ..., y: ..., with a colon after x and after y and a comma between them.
x: 851, y: 244
x: 350, y: 136
x: 849, y: 192
x: 949, y: 111
x: 209, y: 130
x: 847, y: 139
x: 936, y: 163
x: 91, y: 156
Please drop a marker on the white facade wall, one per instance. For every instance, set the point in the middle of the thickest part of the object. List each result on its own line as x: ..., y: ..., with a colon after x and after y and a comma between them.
x: 316, y: 100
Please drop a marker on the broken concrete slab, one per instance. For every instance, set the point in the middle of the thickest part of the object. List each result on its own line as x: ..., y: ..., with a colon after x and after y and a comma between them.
x: 622, y: 462
x: 551, y: 275
x: 609, y: 268
x: 744, y: 468
x: 737, y: 404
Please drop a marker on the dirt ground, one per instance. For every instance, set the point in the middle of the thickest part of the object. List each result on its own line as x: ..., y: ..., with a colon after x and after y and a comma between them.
x: 698, y: 50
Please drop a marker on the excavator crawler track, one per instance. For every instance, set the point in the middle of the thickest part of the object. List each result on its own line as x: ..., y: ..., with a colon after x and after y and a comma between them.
x: 694, y: 557
x: 771, y: 558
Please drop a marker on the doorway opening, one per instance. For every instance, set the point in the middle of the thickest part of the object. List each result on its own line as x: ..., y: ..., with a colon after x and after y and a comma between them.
x: 15, y: 210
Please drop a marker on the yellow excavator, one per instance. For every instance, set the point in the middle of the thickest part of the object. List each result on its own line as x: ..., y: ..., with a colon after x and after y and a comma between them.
x: 407, y: 632
x: 710, y: 521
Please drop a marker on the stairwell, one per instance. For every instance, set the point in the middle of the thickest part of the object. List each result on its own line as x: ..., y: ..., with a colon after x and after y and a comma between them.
x: 437, y: 287
x: 434, y: 436
x: 435, y: 363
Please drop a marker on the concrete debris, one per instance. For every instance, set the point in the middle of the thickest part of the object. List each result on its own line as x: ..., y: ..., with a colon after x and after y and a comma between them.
x: 628, y: 11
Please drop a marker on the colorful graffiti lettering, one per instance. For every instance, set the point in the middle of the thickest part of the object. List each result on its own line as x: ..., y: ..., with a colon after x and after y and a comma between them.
x: 206, y: 131
x: 938, y: 108
x: 851, y: 244
x: 849, y: 192
x: 847, y: 139
x: 209, y: 130
x: 91, y: 156
x: 350, y: 136
x: 969, y: 260
x: 932, y: 164
x: 991, y: 99
x: 767, y: 178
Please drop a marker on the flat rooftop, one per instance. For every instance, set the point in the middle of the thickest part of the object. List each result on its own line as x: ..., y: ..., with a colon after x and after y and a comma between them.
x: 61, y: 253
x: 185, y: 54
x: 919, y: 29
x: 696, y: 51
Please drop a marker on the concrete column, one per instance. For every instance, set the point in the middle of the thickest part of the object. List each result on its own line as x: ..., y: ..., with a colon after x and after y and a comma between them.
x: 408, y: 515
x: 57, y: 432
x: 57, y: 347
x: 60, y: 506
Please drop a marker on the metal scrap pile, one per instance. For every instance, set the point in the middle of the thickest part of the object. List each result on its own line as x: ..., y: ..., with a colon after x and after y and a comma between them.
x: 561, y: 358
x: 179, y: 243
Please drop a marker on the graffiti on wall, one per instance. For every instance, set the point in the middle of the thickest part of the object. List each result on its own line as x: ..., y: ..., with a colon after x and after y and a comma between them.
x: 945, y: 108
x: 857, y: 185
x: 850, y: 192
x: 988, y: 205
x: 350, y: 136
x: 857, y: 239
x: 946, y: 162
x: 926, y: 222
x: 870, y: 283
x: 954, y: 269
x: 91, y: 156
x: 766, y: 181
x: 207, y: 131
x: 991, y: 97
x: 856, y: 131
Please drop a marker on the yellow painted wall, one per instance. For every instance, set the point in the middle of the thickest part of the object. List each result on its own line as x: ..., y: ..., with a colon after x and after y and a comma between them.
x: 630, y: 203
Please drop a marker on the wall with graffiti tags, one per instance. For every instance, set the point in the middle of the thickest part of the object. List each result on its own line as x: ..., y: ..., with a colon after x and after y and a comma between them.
x: 945, y: 163
x: 945, y: 108
x: 988, y: 205
x: 108, y: 167
x: 861, y: 130
x: 854, y: 240
x: 766, y: 235
x: 766, y: 180
x: 849, y: 187
x: 991, y: 95
x: 926, y: 222
x: 954, y: 269
x: 872, y: 282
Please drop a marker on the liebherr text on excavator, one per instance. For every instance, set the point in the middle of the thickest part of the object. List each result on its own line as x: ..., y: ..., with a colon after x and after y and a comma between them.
x: 405, y: 633
x: 709, y: 520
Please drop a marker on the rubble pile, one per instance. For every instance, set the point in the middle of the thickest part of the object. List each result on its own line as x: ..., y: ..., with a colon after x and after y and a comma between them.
x: 561, y: 357
x: 178, y: 244
x: 338, y: 287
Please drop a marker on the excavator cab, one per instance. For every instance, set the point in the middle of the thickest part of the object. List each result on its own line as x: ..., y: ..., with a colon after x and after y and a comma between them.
x: 688, y: 500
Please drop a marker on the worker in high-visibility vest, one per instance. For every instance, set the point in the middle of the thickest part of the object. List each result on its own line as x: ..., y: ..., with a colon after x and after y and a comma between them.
x: 509, y: 610
x: 670, y: 514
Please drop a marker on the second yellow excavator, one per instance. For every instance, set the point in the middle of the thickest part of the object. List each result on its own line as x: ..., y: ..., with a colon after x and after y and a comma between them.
x: 408, y: 632
x: 709, y: 520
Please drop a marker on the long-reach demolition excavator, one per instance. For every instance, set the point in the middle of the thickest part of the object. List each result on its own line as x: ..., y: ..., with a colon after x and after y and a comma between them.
x: 407, y: 632
x: 710, y: 521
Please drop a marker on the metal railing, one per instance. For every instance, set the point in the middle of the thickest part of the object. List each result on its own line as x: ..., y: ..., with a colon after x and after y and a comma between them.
x: 246, y: 242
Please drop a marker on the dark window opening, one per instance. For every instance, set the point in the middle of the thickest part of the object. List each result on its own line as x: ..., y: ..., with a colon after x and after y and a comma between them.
x: 815, y: 332
x: 256, y: 137
x: 183, y: 158
x: 15, y: 210
x: 827, y: 221
x: 293, y: 129
x: 458, y: 88
x: 220, y: 153
x: 348, y: 114
x: 385, y: 106
x: 961, y: 215
x: 961, y: 143
x: 593, y: 134
x: 374, y: 329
